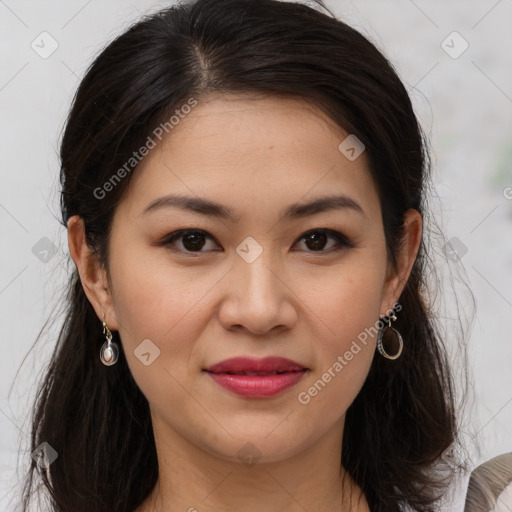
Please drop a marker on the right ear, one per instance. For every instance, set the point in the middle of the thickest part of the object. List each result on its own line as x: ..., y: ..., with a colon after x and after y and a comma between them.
x: 92, y: 275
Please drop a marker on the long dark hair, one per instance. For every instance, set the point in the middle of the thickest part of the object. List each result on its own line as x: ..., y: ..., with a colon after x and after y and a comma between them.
x: 95, y: 417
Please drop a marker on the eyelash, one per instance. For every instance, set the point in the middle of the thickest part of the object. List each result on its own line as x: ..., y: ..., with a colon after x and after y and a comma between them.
x: 341, y: 240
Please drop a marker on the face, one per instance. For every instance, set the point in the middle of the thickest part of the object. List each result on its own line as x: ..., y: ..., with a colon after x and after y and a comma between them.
x: 254, y: 278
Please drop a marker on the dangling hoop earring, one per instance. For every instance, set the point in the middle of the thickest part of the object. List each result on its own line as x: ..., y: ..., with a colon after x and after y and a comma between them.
x: 388, y: 331
x: 109, y: 352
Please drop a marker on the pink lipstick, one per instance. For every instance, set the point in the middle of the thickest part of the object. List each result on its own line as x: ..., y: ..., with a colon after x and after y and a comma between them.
x: 257, y: 378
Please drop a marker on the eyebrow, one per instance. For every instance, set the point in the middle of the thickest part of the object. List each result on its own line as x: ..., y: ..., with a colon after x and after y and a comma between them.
x: 213, y: 209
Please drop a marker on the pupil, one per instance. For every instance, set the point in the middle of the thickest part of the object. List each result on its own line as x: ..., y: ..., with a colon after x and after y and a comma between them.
x: 195, y: 240
x: 318, y: 240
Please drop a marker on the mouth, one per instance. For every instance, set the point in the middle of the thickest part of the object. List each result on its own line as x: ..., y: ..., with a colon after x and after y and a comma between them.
x: 273, y: 365
x: 256, y: 378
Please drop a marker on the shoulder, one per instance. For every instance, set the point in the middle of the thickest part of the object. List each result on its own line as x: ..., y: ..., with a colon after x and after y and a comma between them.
x: 489, y: 484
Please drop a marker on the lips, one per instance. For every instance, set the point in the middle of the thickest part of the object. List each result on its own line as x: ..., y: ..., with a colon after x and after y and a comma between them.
x: 248, y: 366
x: 257, y: 378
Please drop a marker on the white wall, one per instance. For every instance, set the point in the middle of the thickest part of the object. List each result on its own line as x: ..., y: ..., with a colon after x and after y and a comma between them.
x: 464, y: 102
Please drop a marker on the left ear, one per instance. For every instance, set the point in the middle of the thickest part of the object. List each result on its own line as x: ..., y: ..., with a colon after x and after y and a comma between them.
x: 395, y: 281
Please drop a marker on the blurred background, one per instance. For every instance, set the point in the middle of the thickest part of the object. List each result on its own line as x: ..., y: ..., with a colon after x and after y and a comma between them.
x: 454, y: 57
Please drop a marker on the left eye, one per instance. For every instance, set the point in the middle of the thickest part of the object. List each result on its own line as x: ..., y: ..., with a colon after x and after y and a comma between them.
x: 317, y: 240
x: 193, y: 240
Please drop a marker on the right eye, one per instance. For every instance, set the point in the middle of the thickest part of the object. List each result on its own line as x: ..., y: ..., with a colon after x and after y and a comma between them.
x: 191, y: 240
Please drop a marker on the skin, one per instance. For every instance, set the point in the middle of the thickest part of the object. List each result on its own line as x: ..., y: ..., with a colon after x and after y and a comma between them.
x: 307, y: 302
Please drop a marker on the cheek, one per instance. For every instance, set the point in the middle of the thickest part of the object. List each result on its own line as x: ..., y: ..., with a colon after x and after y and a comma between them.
x: 149, y: 300
x: 165, y: 304
x: 160, y: 305
x: 345, y: 307
x: 152, y: 297
x: 345, y: 300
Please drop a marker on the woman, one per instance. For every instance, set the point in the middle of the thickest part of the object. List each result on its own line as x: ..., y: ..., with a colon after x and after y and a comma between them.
x: 244, y: 189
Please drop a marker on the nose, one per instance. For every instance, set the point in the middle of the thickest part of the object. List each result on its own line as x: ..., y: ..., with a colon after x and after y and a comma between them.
x: 258, y: 297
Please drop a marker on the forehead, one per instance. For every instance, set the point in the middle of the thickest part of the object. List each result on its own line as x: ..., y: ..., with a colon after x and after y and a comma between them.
x: 251, y: 150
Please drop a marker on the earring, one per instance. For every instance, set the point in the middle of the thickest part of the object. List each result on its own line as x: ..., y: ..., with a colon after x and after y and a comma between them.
x: 392, y: 337
x: 109, y: 352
